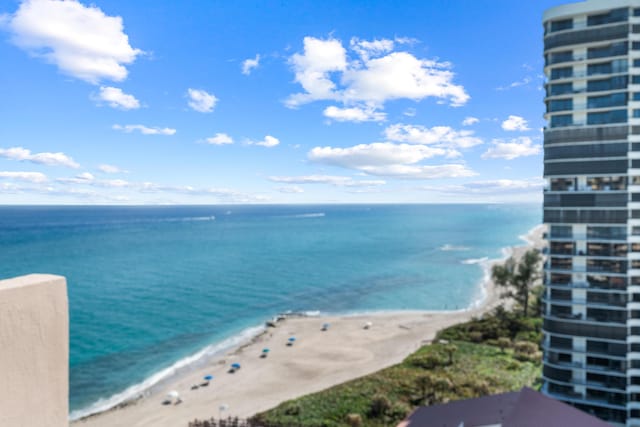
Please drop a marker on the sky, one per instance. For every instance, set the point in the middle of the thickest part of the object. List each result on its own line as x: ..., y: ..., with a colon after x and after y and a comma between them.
x: 215, y: 102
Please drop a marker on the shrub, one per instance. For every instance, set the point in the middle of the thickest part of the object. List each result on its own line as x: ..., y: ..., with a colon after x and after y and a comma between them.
x: 354, y: 420
x: 292, y: 409
x: 503, y: 343
x: 475, y: 336
x: 426, y: 360
x: 525, y: 347
x: 380, y: 405
x: 399, y: 411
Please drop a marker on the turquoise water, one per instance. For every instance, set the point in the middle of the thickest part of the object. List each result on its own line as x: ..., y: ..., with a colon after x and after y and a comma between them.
x: 150, y: 286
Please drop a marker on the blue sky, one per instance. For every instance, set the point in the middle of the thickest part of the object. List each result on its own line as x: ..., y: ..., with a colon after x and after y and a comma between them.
x: 205, y: 102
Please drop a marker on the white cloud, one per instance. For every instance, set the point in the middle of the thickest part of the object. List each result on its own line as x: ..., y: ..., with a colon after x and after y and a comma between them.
x: 49, y: 159
x: 144, y: 129
x: 410, y: 112
x: 249, y: 64
x: 469, y: 121
x: 290, y: 189
x: 391, y: 160
x: 35, y: 177
x: 498, y: 186
x: 201, y: 101
x: 268, y: 141
x: 453, y: 170
x: 338, y: 181
x: 503, y: 185
x: 312, y: 69
x: 441, y: 136
x: 222, y: 194
x: 524, y: 82
x: 402, y: 75
x: 88, y: 179
x: 354, y: 114
x: 515, y: 123
x: 376, y: 154
x: 518, y: 147
x: 219, y: 139
x: 110, y: 169
x: 377, y: 76
x: 116, y: 98
x: 367, y: 49
x: 81, y: 41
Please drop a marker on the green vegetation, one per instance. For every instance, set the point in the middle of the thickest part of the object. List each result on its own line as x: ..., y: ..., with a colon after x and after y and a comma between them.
x: 518, y: 277
x: 494, y: 354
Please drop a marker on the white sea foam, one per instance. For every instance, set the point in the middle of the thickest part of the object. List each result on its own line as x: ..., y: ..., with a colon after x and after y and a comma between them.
x: 506, y: 252
x: 141, y: 389
x: 189, y: 219
x: 448, y: 247
x: 475, y: 260
x: 307, y: 215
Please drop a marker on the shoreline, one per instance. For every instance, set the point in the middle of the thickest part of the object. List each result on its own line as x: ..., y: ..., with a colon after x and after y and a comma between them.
x: 139, y: 409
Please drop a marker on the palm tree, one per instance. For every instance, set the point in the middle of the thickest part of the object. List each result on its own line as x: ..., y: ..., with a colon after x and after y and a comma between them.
x: 518, y: 277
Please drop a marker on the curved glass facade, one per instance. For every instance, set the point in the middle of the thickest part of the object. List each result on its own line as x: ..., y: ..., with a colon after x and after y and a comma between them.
x: 592, y: 208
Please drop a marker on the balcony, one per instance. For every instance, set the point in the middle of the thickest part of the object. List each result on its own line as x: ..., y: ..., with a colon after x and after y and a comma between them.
x: 572, y: 325
x: 620, y: 354
x: 588, y: 35
x: 594, y: 134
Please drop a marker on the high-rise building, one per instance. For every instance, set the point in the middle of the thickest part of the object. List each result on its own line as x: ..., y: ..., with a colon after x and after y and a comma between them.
x: 592, y: 207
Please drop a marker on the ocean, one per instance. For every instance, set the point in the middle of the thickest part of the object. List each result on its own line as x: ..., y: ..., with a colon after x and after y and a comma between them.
x: 156, y: 290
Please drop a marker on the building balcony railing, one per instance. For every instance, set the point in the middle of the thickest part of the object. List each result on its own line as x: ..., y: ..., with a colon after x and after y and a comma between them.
x: 567, y: 302
x: 588, y: 328
x: 614, y: 398
x: 577, y: 398
x: 592, y: 254
x: 614, y: 355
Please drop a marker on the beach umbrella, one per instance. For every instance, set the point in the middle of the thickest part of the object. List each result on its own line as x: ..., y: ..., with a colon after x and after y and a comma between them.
x: 208, y: 377
x: 235, y: 365
x: 265, y: 350
x: 368, y: 325
x: 292, y: 339
x: 325, y: 326
x: 173, y: 394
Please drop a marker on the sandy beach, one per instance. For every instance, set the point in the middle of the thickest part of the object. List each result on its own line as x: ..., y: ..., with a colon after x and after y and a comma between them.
x: 318, y: 359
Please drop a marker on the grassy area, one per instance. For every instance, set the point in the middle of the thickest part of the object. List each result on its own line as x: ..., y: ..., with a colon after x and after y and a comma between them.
x: 494, y: 354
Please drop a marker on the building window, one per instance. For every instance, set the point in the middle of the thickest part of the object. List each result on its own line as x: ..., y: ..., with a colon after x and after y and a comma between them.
x: 636, y: 113
x: 561, y: 120
x: 606, y: 117
x: 615, y: 15
x: 560, y: 105
x: 612, y: 83
x: 564, y: 24
x: 613, y: 100
x: 565, y: 56
x: 636, y: 96
x: 561, y: 73
x: 635, y: 80
x: 560, y: 89
x: 614, y: 49
x: 635, y: 46
x: 611, y: 67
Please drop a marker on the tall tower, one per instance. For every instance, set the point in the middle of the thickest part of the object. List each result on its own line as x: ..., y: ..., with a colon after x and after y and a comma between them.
x: 592, y: 207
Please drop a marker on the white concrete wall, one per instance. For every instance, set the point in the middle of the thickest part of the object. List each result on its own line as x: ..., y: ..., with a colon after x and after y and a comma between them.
x: 34, y: 352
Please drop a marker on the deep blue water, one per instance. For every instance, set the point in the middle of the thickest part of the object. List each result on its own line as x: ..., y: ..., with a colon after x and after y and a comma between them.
x: 149, y: 286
